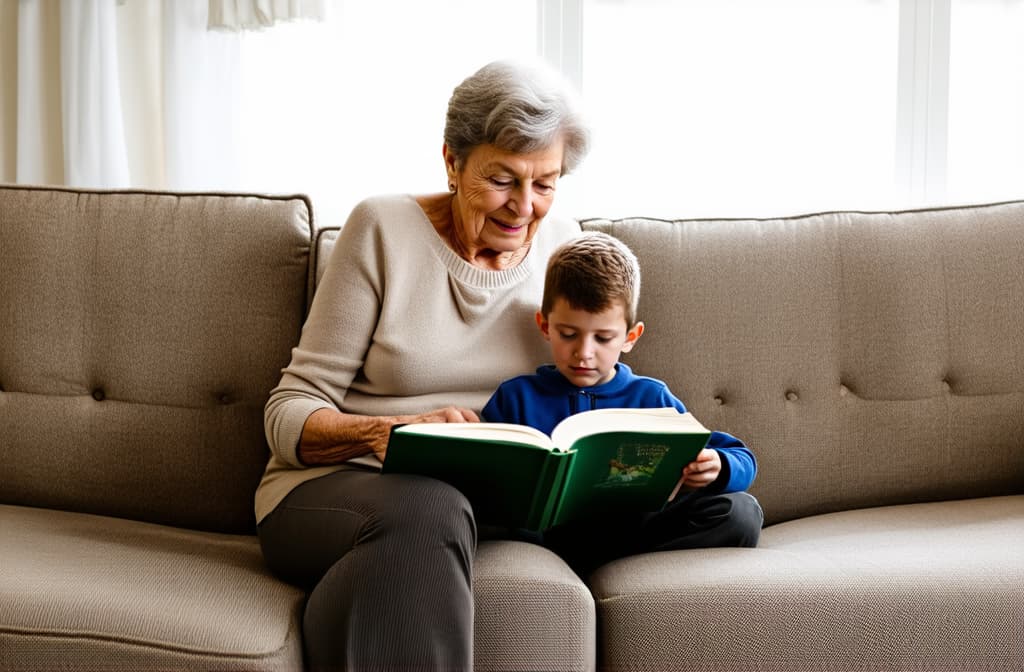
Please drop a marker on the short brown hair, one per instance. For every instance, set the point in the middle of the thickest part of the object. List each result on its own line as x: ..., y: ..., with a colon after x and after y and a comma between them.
x: 592, y: 272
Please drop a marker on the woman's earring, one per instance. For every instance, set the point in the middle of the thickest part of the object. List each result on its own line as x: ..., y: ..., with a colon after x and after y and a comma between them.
x: 452, y: 187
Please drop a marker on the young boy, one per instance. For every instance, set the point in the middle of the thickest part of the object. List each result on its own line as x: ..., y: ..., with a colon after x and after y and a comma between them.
x: 588, y: 314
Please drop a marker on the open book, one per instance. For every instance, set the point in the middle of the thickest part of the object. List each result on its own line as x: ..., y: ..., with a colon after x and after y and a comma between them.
x: 612, y: 459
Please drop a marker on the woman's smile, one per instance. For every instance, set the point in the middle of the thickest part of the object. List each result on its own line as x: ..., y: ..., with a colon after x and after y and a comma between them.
x: 511, y: 228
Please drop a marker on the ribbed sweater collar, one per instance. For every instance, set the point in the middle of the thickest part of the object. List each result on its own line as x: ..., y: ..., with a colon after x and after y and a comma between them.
x: 468, y: 274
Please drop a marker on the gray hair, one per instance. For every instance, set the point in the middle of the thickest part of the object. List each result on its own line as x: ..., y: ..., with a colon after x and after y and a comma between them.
x: 518, y: 107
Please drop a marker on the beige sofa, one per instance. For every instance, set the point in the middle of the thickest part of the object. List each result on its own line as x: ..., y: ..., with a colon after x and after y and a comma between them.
x: 874, y: 362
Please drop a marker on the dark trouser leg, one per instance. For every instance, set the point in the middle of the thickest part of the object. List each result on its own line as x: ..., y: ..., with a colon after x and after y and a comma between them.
x: 389, y: 561
x: 699, y: 520
x: 693, y: 520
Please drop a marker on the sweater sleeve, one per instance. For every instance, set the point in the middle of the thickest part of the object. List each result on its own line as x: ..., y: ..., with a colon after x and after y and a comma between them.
x: 335, y: 336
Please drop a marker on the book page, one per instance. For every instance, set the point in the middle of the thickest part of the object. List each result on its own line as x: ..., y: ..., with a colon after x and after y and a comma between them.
x: 647, y: 420
x: 481, y: 431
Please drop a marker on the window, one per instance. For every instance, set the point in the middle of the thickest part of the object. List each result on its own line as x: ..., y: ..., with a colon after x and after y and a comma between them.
x: 355, y: 106
x: 739, y: 107
x: 986, y: 101
x: 715, y: 108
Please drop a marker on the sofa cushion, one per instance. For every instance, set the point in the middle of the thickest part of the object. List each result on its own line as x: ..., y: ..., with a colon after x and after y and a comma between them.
x: 866, y: 358
x: 90, y: 592
x: 531, y: 611
x: 142, y: 333
x: 937, y: 586
x: 325, y: 240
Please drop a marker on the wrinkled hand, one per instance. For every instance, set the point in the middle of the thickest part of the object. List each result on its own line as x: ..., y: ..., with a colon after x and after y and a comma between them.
x: 703, y: 470
x: 446, y: 414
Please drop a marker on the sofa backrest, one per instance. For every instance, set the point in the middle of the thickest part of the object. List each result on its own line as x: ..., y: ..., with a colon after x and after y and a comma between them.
x: 141, y: 334
x: 866, y: 358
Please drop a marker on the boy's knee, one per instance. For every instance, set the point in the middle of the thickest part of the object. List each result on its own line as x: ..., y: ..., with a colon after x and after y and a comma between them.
x: 747, y: 519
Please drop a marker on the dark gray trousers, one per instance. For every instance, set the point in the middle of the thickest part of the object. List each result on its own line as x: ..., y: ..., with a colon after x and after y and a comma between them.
x: 388, y: 560
x: 698, y: 519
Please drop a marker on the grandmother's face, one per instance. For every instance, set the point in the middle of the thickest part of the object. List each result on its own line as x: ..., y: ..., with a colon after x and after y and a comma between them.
x: 501, y: 196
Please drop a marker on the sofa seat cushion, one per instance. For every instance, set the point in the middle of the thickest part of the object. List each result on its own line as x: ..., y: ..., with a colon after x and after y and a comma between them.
x: 935, y: 586
x: 80, y: 591
x: 531, y: 611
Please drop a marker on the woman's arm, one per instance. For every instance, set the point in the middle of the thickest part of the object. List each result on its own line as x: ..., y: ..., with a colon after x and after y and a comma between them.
x: 304, y: 425
x: 332, y: 437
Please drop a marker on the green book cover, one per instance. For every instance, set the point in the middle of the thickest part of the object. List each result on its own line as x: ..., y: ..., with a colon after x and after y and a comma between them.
x: 594, y: 462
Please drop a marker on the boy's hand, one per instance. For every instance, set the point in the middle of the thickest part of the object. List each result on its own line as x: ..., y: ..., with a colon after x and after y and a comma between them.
x: 703, y: 470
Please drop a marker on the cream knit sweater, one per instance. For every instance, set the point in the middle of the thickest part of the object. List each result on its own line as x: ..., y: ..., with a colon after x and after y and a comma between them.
x: 401, y: 325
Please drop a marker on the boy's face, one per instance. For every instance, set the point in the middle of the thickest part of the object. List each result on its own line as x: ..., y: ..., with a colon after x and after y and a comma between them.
x: 586, y: 346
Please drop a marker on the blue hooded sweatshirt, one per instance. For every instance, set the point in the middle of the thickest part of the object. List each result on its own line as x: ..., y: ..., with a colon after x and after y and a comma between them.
x: 545, y: 398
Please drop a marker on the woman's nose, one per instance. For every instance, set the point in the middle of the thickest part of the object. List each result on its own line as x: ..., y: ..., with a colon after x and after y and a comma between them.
x: 521, y: 202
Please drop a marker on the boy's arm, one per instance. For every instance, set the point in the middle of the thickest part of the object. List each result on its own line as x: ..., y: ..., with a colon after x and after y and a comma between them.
x: 496, y: 408
x: 738, y: 464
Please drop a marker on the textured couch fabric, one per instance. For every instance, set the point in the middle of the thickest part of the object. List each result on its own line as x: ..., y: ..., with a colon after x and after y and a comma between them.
x: 94, y: 592
x: 875, y: 365
x: 140, y: 335
x: 872, y: 361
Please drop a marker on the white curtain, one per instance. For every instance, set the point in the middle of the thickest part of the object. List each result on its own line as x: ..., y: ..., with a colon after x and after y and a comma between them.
x: 119, y: 93
x: 92, y: 123
x: 257, y: 14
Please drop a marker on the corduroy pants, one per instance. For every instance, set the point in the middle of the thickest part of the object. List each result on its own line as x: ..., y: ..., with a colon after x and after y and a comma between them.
x: 388, y: 560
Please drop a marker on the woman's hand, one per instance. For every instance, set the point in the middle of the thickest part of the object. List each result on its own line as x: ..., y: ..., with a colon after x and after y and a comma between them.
x: 331, y: 437
x: 446, y: 414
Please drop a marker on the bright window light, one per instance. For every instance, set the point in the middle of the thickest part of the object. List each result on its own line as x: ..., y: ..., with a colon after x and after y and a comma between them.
x: 738, y: 107
x: 986, y: 101
x: 702, y: 108
x: 355, y: 106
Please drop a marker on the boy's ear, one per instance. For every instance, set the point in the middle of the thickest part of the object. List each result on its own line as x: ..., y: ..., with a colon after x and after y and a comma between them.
x: 542, y: 324
x: 632, y: 336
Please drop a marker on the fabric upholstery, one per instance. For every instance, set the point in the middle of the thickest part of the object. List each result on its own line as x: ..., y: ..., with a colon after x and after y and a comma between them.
x: 936, y: 586
x: 531, y: 611
x: 872, y: 362
x: 153, y: 327
x: 89, y: 592
x: 866, y: 359
x: 325, y: 239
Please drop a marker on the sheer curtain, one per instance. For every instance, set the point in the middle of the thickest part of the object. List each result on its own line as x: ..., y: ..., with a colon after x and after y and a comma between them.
x: 700, y: 108
x: 258, y: 14
x: 142, y: 93
x: 118, y: 93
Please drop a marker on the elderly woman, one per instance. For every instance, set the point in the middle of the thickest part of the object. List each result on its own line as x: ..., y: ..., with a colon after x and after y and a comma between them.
x: 426, y: 305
